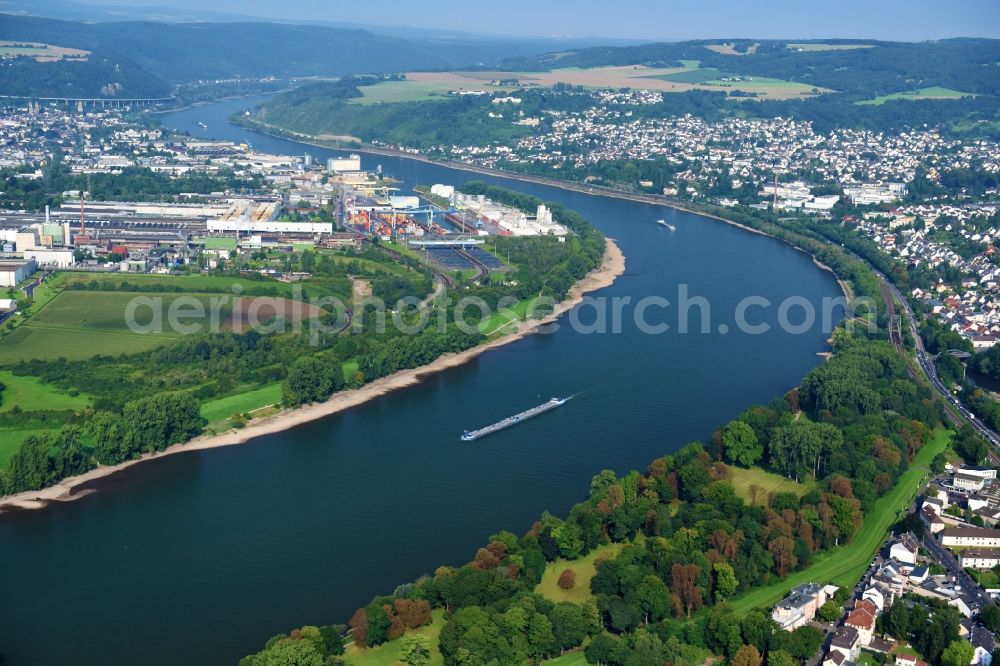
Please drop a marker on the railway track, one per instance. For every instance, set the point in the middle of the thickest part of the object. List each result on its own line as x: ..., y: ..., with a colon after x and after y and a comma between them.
x: 954, y: 410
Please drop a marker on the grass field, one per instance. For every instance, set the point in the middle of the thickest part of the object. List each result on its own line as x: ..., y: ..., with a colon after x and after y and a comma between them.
x: 585, y: 568
x: 934, y: 92
x: 11, y: 440
x: 388, y: 654
x: 32, y: 394
x: 843, y: 566
x: 568, y: 659
x: 405, y: 91
x: 221, y: 409
x: 742, y: 479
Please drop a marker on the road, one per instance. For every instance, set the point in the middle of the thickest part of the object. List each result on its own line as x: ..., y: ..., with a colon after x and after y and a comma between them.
x: 945, y: 558
x: 957, y: 412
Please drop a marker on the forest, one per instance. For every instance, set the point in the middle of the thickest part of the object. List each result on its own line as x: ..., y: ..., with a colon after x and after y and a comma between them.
x: 693, y: 543
x: 132, y: 184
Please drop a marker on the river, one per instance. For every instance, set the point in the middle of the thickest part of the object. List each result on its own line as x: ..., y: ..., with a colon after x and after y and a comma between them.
x: 201, y: 557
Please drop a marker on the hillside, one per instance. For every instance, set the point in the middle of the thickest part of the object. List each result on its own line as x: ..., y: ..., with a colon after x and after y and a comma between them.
x: 861, y: 68
x: 146, y: 58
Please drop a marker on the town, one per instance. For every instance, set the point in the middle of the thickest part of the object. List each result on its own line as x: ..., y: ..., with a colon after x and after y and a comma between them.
x: 949, y: 564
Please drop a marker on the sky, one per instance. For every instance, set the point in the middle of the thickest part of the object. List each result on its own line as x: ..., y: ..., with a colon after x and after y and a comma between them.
x: 903, y: 20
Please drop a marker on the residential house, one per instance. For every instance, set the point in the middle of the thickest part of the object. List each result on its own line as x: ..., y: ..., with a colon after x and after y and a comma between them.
x: 800, y: 605
x: 862, y: 618
x: 975, y: 537
x: 979, y: 558
x: 904, y: 552
x: 845, y: 640
x: 931, y: 519
x: 983, y: 642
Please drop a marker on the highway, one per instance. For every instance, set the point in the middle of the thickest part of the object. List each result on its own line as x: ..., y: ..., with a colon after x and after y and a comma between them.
x: 957, y: 412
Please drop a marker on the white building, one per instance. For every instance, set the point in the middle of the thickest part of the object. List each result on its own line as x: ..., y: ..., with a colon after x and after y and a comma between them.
x: 51, y: 258
x: 344, y: 164
x: 968, y: 482
x: 979, y: 558
x: 801, y: 605
x: 904, y: 551
x: 273, y: 227
x: 13, y: 272
x: 975, y: 537
x: 443, y: 191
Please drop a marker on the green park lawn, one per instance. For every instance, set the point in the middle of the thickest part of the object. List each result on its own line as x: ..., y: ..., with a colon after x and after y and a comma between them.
x: 388, y: 654
x: 844, y: 566
x: 743, y: 478
x: 221, y: 409
x: 576, y: 658
x: 32, y: 394
x: 585, y: 568
x: 11, y: 440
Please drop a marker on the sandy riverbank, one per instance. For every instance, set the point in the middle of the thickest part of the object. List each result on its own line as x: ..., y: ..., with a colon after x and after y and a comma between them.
x: 612, y: 266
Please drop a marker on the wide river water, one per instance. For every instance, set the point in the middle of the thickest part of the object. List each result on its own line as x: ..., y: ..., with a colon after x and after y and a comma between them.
x: 201, y: 557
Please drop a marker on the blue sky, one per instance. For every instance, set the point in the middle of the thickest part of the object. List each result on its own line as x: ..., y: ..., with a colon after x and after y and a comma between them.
x: 646, y: 20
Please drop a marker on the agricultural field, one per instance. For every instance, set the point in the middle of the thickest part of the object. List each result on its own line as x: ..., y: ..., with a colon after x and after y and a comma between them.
x: 40, y: 52
x: 81, y: 324
x: 730, y: 49
x: 933, y: 92
x: 389, y: 654
x: 213, y: 284
x: 28, y: 342
x: 405, y: 91
x: 827, y: 47
x: 585, y: 568
x: 664, y: 79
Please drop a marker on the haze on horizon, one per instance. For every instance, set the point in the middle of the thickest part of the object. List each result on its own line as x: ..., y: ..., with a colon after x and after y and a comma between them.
x: 899, y: 20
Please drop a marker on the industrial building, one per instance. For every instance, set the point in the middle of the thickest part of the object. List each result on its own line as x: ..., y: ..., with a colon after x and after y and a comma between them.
x: 13, y: 272
x: 351, y: 163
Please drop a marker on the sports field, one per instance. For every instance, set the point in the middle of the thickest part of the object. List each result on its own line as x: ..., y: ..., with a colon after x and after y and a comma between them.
x: 933, y: 92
